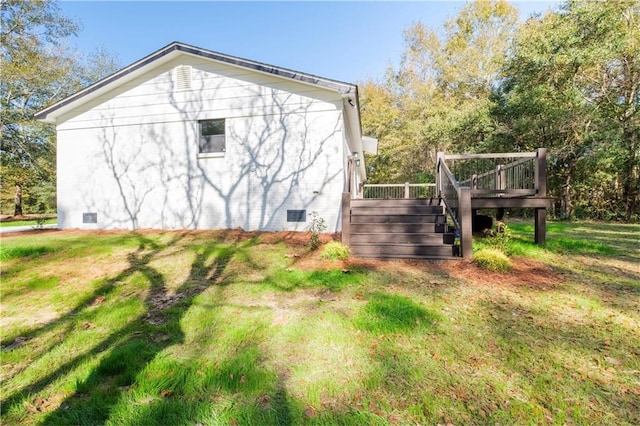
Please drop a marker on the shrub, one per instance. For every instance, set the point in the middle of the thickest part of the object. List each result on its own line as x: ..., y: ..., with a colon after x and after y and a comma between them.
x: 317, y: 227
x: 498, y: 237
x: 492, y: 259
x: 335, y: 250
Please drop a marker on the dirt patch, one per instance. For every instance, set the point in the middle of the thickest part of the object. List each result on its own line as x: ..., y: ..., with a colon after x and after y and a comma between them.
x: 529, y: 273
x: 10, y: 234
x: 313, y: 261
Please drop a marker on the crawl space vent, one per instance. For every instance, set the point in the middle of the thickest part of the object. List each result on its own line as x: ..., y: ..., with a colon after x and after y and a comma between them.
x: 183, y: 77
x: 296, y: 215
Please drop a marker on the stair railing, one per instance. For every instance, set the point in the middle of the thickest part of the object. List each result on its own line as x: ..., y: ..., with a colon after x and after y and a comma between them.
x: 457, y: 202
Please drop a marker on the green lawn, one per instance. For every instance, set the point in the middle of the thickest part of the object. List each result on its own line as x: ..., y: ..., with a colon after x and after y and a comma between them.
x: 33, y: 222
x: 208, y: 328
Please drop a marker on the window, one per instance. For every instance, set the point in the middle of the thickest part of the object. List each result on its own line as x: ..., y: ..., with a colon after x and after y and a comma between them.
x: 212, y: 139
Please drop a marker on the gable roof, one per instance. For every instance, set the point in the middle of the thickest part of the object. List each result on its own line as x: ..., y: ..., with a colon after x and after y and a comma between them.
x: 173, y: 50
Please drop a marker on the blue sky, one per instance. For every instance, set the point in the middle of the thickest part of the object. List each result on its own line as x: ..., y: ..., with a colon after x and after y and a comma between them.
x: 347, y: 41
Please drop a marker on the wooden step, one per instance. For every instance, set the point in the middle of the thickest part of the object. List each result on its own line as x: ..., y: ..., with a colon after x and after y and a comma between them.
x: 402, y: 238
x: 365, y: 202
x: 397, y: 218
x: 403, y: 250
x: 400, y: 257
x: 405, y: 228
x: 397, y: 210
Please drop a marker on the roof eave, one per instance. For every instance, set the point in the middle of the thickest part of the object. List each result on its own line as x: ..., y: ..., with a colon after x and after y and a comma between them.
x: 51, y: 113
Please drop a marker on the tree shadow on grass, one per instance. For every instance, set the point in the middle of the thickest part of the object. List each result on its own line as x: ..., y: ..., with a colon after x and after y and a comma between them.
x: 134, y: 347
x: 147, y: 250
x: 137, y: 261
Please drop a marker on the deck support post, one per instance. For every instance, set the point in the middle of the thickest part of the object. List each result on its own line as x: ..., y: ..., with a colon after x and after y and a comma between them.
x: 541, y: 191
x: 346, y: 218
x: 466, y: 222
x: 541, y: 226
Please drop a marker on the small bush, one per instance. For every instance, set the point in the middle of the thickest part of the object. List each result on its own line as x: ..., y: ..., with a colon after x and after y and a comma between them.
x: 492, y: 259
x: 318, y: 226
x: 335, y: 250
x: 499, y: 236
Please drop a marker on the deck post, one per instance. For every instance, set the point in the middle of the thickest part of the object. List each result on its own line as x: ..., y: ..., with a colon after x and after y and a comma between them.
x: 350, y: 172
x: 466, y: 222
x: 500, y: 181
x: 541, y: 172
x: 541, y: 191
x: 346, y: 218
x: 406, y: 190
x: 439, y: 158
x: 541, y: 226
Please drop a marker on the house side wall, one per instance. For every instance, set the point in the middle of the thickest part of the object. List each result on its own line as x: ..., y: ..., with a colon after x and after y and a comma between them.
x: 132, y: 158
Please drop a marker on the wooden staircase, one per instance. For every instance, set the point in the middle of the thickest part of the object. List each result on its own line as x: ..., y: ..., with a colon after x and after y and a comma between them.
x: 400, y: 228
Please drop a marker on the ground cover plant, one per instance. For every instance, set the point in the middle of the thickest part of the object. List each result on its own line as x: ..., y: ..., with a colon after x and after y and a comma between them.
x: 246, y: 328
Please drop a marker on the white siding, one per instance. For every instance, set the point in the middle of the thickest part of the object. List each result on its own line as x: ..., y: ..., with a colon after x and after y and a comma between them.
x: 132, y: 157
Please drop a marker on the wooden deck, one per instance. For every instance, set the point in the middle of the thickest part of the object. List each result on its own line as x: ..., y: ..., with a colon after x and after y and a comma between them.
x: 381, y: 225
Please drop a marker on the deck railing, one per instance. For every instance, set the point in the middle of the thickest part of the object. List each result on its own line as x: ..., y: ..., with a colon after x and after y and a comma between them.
x: 510, y: 174
x: 397, y: 191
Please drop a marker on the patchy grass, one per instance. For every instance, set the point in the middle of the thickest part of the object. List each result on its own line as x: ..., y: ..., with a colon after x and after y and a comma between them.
x: 231, y: 328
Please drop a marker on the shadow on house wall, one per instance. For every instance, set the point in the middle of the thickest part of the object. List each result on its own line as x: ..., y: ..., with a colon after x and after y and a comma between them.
x: 283, y: 151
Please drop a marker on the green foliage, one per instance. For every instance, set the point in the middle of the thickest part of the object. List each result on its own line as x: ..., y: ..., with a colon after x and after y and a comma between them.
x: 571, y: 86
x: 335, y: 250
x: 566, y: 80
x: 498, y: 237
x: 37, y: 69
x: 492, y: 259
x: 438, y: 99
x: 317, y: 226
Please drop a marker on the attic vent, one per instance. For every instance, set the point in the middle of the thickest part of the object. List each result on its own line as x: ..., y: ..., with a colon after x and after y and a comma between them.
x: 183, y: 77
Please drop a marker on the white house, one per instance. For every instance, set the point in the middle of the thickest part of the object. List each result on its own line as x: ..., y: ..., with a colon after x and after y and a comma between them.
x: 191, y: 138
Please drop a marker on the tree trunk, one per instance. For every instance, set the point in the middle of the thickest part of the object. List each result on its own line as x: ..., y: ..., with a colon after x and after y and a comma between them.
x: 567, y: 202
x: 630, y: 172
x: 18, y: 200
